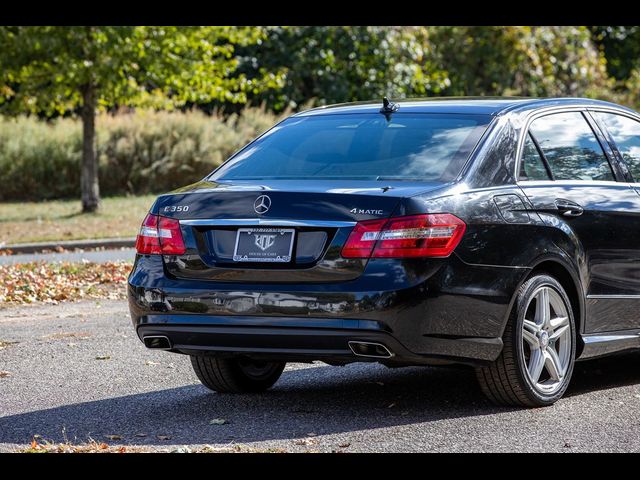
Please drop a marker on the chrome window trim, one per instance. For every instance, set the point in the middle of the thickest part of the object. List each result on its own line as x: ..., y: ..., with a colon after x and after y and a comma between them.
x: 237, y: 222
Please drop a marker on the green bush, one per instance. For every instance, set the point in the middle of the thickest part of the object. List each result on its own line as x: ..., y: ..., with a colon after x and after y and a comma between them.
x: 141, y: 152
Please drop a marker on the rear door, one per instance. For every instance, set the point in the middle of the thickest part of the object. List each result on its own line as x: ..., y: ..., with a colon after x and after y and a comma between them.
x: 568, y: 173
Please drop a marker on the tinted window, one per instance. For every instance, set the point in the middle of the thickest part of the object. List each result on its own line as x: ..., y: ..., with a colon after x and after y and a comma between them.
x: 431, y: 147
x: 571, y: 148
x: 532, y: 166
x: 626, y: 134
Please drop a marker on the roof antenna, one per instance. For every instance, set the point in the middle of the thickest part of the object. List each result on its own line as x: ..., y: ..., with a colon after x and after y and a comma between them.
x: 388, y: 108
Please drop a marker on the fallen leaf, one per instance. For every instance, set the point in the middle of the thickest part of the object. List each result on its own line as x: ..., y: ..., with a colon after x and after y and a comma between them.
x: 4, y: 373
x: 52, y: 283
x: 5, y: 344
x: 305, y: 441
x: 103, y: 357
x: 181, y: 450
x: 113, y: 437
x: 63, y: 335
x: 103, y: 446
x: 218, y: 421
x: 163, y: 437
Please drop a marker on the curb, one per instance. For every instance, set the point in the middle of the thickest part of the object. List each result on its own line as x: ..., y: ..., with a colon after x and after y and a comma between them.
x: 106, y: 243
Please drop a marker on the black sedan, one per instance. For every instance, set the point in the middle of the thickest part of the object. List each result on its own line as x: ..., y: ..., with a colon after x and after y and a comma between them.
x: 498, y: 233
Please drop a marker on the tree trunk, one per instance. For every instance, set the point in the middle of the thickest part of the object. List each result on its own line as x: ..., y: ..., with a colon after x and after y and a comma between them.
x: 89, y: 186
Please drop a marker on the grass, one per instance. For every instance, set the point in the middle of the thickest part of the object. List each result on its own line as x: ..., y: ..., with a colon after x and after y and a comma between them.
x: 23, y: 222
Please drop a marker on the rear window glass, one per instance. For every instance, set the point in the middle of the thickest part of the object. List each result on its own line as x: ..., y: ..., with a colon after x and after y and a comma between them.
x: 429, y: 147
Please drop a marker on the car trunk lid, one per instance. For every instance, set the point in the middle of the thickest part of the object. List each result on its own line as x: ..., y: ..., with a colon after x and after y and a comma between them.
x: 282, y: 231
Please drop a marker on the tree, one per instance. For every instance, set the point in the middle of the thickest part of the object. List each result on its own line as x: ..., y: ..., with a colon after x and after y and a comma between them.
x: 529, y: 61
x: 340, y: 64
x: 76, y: 70
x: 621, y: 48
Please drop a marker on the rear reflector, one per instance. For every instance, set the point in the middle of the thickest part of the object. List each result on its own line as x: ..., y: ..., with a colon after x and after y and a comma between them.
x: 431, y: 235
x: 160, y: 236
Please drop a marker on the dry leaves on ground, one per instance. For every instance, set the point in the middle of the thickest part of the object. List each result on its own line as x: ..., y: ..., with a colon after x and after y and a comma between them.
x: 63, y: 281
x: 40, y: 446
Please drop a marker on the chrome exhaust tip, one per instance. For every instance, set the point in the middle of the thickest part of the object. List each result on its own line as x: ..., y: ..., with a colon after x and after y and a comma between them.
x: 369, y: 349
x: 157, y: 342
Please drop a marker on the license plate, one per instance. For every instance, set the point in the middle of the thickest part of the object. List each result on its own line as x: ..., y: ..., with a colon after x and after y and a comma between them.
x: 263, y: 245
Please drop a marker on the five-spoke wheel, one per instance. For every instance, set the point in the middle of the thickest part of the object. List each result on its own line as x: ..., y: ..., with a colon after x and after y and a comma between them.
x: 537, y: 360
x: 546, y: 336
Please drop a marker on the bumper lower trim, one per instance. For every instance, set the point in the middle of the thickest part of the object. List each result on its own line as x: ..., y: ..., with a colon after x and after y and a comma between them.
x: 287, y: 339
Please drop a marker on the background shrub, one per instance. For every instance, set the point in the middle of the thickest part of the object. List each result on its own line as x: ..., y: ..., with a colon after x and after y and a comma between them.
x: 141, y: 152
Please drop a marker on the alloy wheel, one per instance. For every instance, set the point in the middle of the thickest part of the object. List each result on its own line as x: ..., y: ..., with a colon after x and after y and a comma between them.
x: 546, y: 338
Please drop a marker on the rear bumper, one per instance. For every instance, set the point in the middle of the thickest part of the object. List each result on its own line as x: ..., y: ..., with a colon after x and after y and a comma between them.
x: 303, y: 340
x: 423, y: 319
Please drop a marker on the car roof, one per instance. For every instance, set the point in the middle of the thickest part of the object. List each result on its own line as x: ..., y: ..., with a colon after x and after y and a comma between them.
x: 468, y: 105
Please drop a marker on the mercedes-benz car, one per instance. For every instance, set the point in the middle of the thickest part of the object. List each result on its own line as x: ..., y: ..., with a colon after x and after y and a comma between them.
x: 500, y: 233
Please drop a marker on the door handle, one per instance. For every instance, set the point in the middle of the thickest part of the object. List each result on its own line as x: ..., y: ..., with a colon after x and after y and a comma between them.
x: 568, y: 208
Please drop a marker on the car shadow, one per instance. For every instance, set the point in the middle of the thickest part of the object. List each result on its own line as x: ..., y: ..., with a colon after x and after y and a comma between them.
x: 603, y: 373
x: 310, y: 401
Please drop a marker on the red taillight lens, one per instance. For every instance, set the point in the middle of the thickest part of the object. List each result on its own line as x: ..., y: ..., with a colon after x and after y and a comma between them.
x: 362, y: 239
x: 160, y: 235
x: 432, y: 235
x: 148, y: 241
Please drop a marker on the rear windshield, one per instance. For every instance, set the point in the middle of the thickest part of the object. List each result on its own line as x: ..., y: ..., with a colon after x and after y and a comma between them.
x: 429, y: 147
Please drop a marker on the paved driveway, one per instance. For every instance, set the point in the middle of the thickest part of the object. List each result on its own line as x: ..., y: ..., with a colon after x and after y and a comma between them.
x: 58, y: 388
x: 97, y: 256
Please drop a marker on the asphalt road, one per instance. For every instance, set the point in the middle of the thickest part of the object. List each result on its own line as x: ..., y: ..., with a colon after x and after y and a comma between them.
x: 98, y: 256
x: 57, y: 388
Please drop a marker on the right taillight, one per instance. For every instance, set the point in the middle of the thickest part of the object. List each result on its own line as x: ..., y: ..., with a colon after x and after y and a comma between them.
x: 429, y: 235
x: 160, y: 236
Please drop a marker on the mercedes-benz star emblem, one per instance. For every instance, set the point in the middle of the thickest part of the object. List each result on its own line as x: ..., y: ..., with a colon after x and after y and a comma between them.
x: 262, y: 204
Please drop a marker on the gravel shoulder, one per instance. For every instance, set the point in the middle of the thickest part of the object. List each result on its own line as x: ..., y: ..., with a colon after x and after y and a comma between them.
x: 77, y: 372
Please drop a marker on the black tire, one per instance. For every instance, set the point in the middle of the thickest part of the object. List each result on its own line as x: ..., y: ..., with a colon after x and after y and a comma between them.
x: 236, y: 375
x: 505, y: 381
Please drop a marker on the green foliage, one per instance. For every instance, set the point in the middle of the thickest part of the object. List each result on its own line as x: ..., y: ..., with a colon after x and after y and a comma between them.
x: 339, y: 64
x: 139, y: 152
x: 521, y: 61
x: 44, y: 69
x: 621, y: 47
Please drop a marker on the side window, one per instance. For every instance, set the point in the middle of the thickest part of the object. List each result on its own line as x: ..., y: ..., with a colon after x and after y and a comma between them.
x: 532, y: 167
x: 626, y: 134
x: 571, y: 148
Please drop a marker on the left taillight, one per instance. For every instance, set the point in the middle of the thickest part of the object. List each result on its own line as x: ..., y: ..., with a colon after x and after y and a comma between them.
x: 430, y: 235
x: 160, y: 236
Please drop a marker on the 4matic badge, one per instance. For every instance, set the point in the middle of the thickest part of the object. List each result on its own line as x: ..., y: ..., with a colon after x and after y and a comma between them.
x: 362, y: 211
